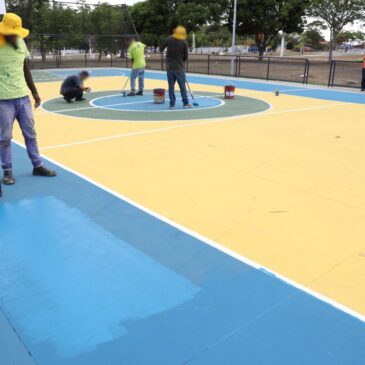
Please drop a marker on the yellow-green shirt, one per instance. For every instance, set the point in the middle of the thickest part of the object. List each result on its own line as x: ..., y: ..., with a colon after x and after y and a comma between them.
x: 12, y: 80
x: 136, y: 52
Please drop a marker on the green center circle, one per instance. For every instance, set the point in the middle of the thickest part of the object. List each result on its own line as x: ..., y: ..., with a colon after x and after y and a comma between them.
x: 239, y: 106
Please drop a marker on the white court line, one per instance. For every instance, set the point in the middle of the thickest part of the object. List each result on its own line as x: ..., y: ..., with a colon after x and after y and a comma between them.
x: 212, y: 243
x: 94, y: 106
x: 296, y: 90
x: 195, y: 124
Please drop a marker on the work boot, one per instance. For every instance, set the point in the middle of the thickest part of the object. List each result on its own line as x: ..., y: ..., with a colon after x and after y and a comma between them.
x: 43, y: 171
x: 140, y: 93
x: 80, y: 99
x: 187, y: 106
x: 132, y: 93
x: 8, y: 178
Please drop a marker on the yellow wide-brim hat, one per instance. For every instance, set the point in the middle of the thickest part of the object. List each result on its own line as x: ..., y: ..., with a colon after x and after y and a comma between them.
x: 180, y: 33
x: 12, y: 25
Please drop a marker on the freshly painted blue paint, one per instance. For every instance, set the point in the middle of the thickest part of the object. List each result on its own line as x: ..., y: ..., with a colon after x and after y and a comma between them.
x: 12, y: 350
x: 145, y: 103
x: 298, y: 90
x: 89, y: 266
x: 61, y: 266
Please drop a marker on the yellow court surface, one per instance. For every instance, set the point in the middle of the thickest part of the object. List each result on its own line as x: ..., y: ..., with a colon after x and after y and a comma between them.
x: 283, y: 187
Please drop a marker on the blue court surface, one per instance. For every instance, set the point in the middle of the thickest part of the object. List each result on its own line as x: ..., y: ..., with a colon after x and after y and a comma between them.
x: 289, y: 89
x: 89, y: 277
x: 91, y: 287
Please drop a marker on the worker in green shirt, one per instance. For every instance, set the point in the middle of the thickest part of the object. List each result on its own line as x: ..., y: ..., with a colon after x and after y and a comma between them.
x: 136, y: 54
x: 16, y: 83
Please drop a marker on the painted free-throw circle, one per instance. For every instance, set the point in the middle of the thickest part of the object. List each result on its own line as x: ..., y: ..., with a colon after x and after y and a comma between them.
x: 111, y: 105
x: 146, y: 104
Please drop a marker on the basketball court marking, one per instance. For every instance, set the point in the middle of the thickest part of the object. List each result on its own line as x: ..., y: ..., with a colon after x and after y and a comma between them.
x: 210, y: 242
x: 200, y: 123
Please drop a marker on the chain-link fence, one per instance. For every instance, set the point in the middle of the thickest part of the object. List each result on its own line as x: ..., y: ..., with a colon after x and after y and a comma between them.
x: 345, y: 73
x: 48, y: 51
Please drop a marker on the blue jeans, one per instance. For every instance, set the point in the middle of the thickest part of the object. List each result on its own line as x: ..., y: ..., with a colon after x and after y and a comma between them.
x: 20, y: 109
x: 180, y: 77
x: 137, y: 73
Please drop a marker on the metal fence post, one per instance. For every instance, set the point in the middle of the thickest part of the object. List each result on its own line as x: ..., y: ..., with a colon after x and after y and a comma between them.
x: 161, y: 56
x: 268, y: 69
x: 330, y: 74
x: 208, y: 64
x: 308, y: 68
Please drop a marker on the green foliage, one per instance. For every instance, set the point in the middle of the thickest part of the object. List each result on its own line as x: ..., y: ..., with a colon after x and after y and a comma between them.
x: 155, y: 19
x: 213, y: 36
x: 348, y: 37
x: 312, y: 37
x: 336, y: 14
x: 266, y: 18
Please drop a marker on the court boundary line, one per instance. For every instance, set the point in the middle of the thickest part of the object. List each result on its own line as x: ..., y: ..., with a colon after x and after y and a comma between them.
x: 201, y: 122
x: 43, y: 111
x: 210, y: 242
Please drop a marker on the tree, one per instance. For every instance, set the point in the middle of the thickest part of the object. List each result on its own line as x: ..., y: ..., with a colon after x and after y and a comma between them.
x: 347, y: 37
x: 155, y: 19
x: 312, y: 37
x: 335, y: 15
x: 266, y: 18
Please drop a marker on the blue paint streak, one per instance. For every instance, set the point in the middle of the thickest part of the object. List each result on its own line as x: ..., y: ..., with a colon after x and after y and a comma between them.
x: 67, y: 281
x: 69, y: 251
x: 145, y: 103
x: 323, y: 94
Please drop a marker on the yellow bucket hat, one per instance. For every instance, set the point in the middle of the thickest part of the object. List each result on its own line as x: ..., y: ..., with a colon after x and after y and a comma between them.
x: 180, y: 33
x: 12, y: 25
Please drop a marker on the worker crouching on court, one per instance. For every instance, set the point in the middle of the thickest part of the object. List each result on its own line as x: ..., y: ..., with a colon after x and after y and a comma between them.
x: 136, y: 54
x: 73, y: 87
x: 15, y: 79
x: 177, y: 55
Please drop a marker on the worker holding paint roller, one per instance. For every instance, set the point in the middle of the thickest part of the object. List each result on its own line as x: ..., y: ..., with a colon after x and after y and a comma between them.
x: 177, y: 55
x: 136, y: 54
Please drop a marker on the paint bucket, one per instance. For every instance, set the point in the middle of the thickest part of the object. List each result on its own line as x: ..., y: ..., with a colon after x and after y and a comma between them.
x: 159, y: 96
x: 229, y: 91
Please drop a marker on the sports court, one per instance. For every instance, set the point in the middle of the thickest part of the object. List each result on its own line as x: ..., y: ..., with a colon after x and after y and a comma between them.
x: 230, y: 233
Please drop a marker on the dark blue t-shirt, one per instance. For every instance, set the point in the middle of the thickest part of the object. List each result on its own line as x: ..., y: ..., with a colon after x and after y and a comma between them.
x: 70, y: 82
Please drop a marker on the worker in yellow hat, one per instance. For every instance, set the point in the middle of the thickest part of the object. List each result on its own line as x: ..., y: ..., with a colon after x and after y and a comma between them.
x: 176, y: 57
x: 15, y: 80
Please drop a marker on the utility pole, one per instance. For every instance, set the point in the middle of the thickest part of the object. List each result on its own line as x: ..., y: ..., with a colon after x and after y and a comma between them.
x: 282, y: 47
x: 234, y: 25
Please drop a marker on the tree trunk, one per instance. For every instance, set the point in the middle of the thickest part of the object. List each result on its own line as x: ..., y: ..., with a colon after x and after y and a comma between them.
x: 332, y: 45
x: 43, y: 50
x: 261, y: 52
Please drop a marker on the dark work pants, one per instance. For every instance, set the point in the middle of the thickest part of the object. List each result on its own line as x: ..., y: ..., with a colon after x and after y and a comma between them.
x: 73, y: 93
x: 180, y: 77
x: 363, y: 79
